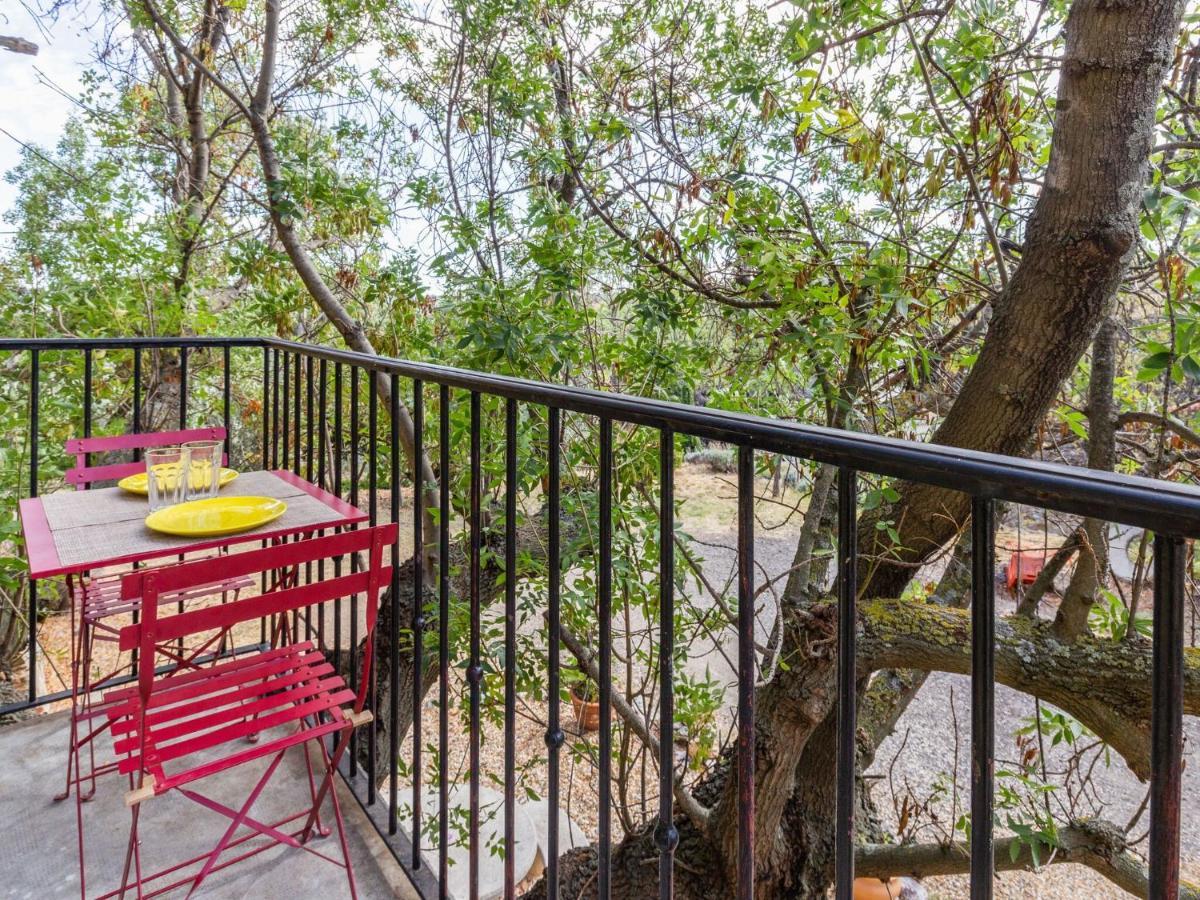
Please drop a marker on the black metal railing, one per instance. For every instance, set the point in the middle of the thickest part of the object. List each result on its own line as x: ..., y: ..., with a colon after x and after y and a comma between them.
x: 297, y: 397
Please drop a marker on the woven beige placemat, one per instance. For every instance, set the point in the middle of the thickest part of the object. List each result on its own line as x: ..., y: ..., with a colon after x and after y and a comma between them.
x: 260, y: 484
x: 74, y: 509
x: 98, y: 543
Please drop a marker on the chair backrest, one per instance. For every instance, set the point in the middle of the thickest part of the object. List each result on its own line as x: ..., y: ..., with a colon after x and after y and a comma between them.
x: 84, y: 474
x: 156, y: 629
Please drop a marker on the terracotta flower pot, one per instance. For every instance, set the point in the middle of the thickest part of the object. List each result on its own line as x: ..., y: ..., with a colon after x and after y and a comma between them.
x: 587, y: 712
x: 874, y: 889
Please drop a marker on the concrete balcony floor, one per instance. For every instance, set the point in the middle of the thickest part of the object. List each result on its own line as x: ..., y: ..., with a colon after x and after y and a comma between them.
x: 38, y: 847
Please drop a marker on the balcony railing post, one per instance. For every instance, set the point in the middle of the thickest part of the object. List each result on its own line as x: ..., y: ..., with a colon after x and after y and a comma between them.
x: 280, y: 413
x: 418, y: 601
x: 554, y: 732
x: 443, y: 641
x: 666, y: 835
x: 87, y: 402
x: 510, y: 643
x: 983, y: 677
x: 746, y: 672
x: 355, y: 442
x: 847, y: 724
x: 35, y: 379
x: 604, y: 613
x: 296, y: 411
x: 137, y: 398
x: 322, y: 481
x: 226, y: 398
x: 266, y: 408
x: 1166, y: 723
x: 474, y: 666
x: 183, y: 388
x: 338, y: 461
x: 394, y: 632
x: 373, y: 519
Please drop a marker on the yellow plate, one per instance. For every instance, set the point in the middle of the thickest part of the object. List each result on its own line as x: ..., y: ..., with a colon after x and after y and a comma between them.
x: 216, y: 516
x: 138, y: 484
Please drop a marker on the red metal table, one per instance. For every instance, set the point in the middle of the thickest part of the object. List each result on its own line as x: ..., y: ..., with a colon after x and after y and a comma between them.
x: 72, y: 533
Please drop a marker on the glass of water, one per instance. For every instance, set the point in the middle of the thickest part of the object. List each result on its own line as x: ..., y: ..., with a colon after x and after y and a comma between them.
x: 165, y: 475
x: 205, y: 468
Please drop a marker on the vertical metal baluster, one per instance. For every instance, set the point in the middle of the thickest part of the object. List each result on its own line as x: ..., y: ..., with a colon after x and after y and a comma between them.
x: 34, y: 425
x: 746, y: 665
x: 137, y: 398
x: 418, y: 605
x: 137, y: 455
x: 394, y: 612
x: 983, y: 675
x: 1166, y: 722
x: 322, y: 457
x: 309, y: 423
x: 666, y: 835
x: 354, y: 439
x: 308, y: 465
x: 183, y: 406
x: 226, y: 396
x: 337, y: 491
x: 267, y: 462
x: 87, y: 404
x: 474, y: 668
x: 296, y: 408
x: 286, y: 411
x: 275, y: 408
x: 847, y: 713
x: 266, y: 408
x: 322, y: 423
x: 605, y: 624
x: 444, y: 641
x: 183, y: 388
x: 373, y: 518
x: 554, y: 732
x: 510, y: 641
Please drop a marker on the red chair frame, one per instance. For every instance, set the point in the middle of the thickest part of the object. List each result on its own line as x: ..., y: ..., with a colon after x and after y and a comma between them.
x: 160, y: 723
x: 84, y: 474
x: 99, y: 598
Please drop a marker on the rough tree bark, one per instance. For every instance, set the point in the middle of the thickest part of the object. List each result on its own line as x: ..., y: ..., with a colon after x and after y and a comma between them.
x: 1075, y: 253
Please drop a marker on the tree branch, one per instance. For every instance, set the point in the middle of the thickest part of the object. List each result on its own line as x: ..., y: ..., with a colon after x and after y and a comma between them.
x: 1105, y: 684
x: 1169, y: 422
x: 1095, y: 843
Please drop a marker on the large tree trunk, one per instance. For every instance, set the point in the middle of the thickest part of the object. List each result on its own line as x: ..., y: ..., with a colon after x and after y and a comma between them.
x: 1076, y: 250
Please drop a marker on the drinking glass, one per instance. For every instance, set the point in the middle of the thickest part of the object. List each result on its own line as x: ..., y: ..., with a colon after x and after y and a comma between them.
x: 205, y: 468
x: 165, y: 468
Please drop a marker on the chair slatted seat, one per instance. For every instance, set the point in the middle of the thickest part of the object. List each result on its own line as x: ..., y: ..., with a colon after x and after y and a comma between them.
x: 171, y: 730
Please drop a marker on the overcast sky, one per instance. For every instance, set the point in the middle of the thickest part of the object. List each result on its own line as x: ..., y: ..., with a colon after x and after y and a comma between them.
x: 32, y: 108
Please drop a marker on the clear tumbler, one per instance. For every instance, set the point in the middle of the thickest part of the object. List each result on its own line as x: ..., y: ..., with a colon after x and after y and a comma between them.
x: 165, y: 468
x: 205, y: 467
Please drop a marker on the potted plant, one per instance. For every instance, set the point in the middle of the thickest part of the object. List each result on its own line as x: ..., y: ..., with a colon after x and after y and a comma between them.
x: 586, y: 703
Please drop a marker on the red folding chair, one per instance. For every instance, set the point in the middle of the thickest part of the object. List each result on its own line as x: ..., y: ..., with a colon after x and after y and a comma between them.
x: 173, y: 730
x: 99, y: 602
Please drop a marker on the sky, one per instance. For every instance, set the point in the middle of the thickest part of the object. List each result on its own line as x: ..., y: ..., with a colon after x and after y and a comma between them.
x: 32, y: 108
